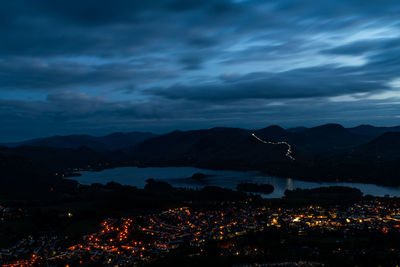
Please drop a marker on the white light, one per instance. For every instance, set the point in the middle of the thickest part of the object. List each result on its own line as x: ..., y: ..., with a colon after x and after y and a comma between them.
x: 289, y: 149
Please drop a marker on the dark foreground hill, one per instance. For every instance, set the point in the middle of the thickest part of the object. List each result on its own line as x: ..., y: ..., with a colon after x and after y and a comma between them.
x: 20, y: 177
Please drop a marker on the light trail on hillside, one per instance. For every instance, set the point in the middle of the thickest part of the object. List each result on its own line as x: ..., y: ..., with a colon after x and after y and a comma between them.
x: 289, y: 147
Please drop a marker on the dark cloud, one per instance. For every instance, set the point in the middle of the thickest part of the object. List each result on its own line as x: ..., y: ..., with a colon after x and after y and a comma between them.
x: 191, y: 63
x: 39, y: 75
x: 300, y: 83
x: 370, y: 46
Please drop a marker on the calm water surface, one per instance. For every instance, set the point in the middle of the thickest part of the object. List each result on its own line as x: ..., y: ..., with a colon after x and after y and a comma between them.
x: 177, y: 176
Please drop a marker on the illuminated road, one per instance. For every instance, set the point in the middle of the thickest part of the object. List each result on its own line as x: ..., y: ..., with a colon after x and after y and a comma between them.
x: 289, y: 147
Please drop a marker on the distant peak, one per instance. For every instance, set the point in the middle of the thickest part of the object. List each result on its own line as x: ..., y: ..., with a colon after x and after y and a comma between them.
x: 273, y: 128
x: 116, y: 134
x: 363, y: 126
x: 222, y: 128
x: 297, y: 129
x: 329, y: 126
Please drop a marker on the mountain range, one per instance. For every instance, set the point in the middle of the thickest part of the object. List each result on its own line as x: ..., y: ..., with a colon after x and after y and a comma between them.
x: 328, y: 152
x: 109, y: 142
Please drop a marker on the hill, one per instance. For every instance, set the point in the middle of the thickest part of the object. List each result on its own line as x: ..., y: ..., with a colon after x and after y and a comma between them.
x: 115, y: 141
x: 372, y: 131
x: 228, y: 148
x: 324, y: 153
x: 383, y: 148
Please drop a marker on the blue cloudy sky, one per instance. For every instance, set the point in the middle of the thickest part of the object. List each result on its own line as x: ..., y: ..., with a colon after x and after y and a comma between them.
x: 99, y: 66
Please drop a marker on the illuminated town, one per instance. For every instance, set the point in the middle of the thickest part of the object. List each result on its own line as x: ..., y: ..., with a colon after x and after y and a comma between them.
x: 141, y: 239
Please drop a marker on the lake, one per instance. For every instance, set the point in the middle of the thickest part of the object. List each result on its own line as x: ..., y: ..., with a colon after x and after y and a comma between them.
x: 176, y: 176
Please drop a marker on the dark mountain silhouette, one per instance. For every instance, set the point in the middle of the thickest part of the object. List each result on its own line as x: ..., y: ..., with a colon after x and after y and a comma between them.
x: 69, y: 141
x: 298, y: 129
x: 372, y: 131
x: 329, y: 137
x: 56, y: 159
x: 324, y: 153
x: 383, y: 148
x: 314, y: 141
x: 273, y: 133
x: 115, y: 141
x: 216, y: 148
x: 320, y: 138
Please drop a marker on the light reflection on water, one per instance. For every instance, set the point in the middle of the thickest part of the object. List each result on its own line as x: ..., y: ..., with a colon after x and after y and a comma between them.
x: 176, y: 176
x: 290, y: 184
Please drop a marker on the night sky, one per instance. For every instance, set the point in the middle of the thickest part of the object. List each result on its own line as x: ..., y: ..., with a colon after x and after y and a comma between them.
x: 100, y: 66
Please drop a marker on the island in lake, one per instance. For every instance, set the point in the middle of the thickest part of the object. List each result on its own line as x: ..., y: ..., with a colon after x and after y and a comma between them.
x: 256, y: 188
x: 197, y: 178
